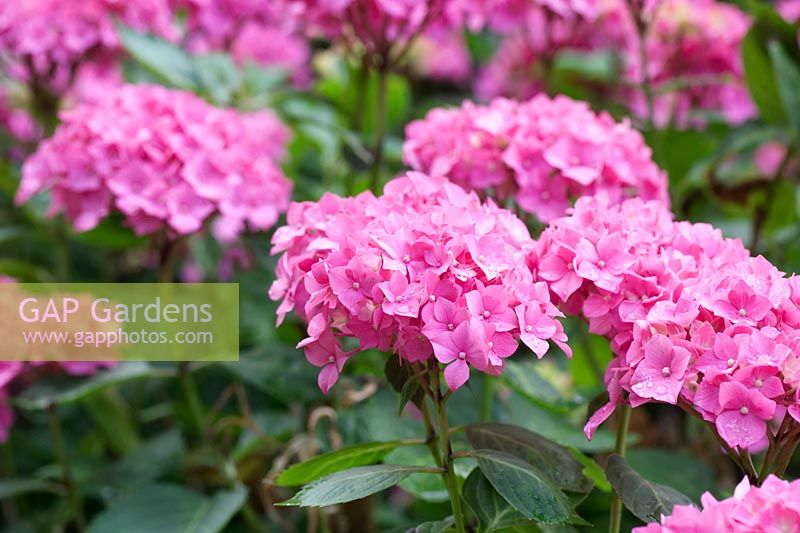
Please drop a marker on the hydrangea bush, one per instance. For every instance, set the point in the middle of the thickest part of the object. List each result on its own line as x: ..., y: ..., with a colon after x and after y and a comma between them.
x: 456, y: 193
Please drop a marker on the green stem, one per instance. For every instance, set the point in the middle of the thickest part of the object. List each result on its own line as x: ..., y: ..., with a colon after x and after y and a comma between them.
x: 8, y: 505
x: 73, y: 495
x: 615, y: 521
x: 170, y: 255
x: 637, y: 15
x: 449, y: 475
x: 192, y: 397
x: 380, y: 129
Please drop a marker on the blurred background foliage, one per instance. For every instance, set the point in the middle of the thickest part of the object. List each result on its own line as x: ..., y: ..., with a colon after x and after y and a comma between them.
x: 139, y: 459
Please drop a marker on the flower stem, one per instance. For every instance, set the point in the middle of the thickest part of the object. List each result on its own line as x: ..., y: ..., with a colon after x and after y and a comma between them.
x: 449, y: 475
x: 73, y: 495
x: 192, y: 397
x: 615, y: 521
x: 380, y: 129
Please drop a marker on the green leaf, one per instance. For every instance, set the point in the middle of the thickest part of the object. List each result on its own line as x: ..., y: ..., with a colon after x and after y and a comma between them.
x: 11, y: 487
x: 154, y: 459
x: 767, y: 27
x: 526, y: 379
x: 328, y: 463
x: 527, y: 489
x: 648, y: 501
x: 112, y: 235
x: 219, y: 77
x: 760, y: 77
x: 601, y: 66
x: 352, y: 484
x: 36, y: 398
x: 782, y: 212
x: 556, y: 461
x: 787, y: 78
x: 439, y: 526
x: 164, y: 60
x: 404, y: 381
x: 276, y: 371
x: 492, y: 510
x: 169, y: 508
x: 592, y: 470
x: 680, y: 470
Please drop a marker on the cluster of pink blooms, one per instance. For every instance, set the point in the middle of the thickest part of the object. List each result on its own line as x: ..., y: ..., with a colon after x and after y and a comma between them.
x: 377, y: 28
x: 543, y: 153
x: 696, y: 43
x: 789, y: 9
x: 692, y: 318
x: 535, y: 31
x: 46, y: 40
x: 263, y: 32
x: 442, y: 55
x: 770, y: 508
x: 165, y: 159
x: 17, y: 125
x: 426, y: 270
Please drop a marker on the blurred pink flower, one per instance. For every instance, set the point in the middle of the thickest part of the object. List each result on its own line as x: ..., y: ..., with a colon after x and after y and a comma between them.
x: 163, y: 158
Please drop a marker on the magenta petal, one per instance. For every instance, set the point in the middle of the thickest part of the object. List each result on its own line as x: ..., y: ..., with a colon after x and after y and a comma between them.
x: 740, y: 430
x: 456, y: 374
x: 327, y: 377
x: 597, y: 418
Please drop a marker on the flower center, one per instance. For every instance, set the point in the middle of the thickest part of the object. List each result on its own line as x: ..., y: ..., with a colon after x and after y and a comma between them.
x: 730, y: 362
x: 486, y: 314
x: 331, y: 359
x: 758, y: 383
x: 666, y: 371
x: 406, y: 258
x: 450, y: 326
x: 356, y: 285
x: 462, y: 355
x: 432, y: 298
x: 529, y: 328
x: 743, y: 312
x: 490, y: 344
x: 744, y: 410
x: 601, y: 263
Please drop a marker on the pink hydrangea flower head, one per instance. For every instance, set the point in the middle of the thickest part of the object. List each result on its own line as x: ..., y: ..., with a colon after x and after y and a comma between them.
x: 693, y: 320
x: 697, y: 39
x: 536, y: 31
x: 775, y: 506
x: 46, y: 40
x: 163, y: 158
x: 427, y: 271
x: 266, y: 33
x: 442, y: 55
x: 543, y: 153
